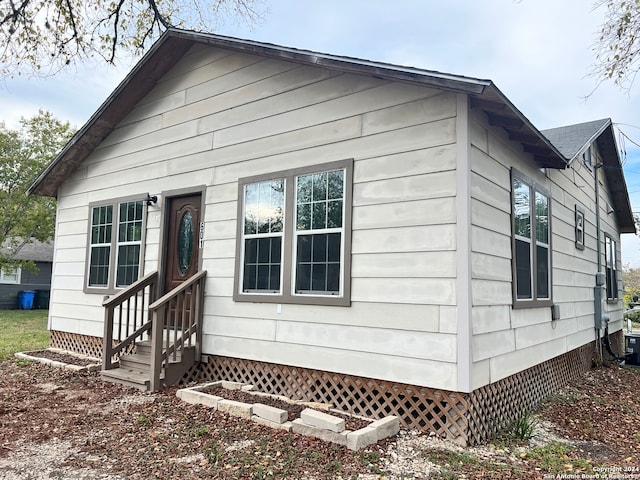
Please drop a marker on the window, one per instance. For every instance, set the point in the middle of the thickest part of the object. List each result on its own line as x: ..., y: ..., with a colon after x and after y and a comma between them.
x: 115, y: 245
x: 531, y: 243
x: 612, y: 273
x: 587, y: 160
x: 294, y: 236
x: 579, y: 228
x: 11, y: 275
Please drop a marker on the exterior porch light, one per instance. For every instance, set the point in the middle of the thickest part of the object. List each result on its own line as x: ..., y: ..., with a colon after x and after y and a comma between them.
x: 151, y: 199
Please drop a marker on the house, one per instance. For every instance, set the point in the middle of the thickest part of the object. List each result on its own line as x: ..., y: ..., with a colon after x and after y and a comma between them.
x: 383, y: 238
x: 21, y: 279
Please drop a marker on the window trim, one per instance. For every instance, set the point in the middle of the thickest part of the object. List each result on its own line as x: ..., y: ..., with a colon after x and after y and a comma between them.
x: 17, y: 271
x: 288, y: 263
x: 534, y: 302
x: 115, y: 202
x: 614, y: 245
x: 579, y: 232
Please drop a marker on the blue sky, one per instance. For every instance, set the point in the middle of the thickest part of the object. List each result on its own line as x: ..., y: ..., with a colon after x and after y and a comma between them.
x: 538, y: 52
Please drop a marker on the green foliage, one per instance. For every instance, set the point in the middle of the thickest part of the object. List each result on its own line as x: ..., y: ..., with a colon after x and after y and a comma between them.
x: 22, y: 330
x: 24, y: 154
x: 44, y: 37
x: 523, y: 427
x: 201, y: 431
x: 556, y: 458
x: 145, y: 420
x: 631, y: 281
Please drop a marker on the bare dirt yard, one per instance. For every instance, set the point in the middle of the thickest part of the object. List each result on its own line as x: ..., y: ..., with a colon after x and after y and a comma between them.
x: 56, y: 424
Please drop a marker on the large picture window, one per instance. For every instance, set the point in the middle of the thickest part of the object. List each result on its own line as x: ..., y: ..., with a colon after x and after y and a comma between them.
x: 294, y: 236
x: 115, y: 245
x: 611, y: 265
x: 531, y: 243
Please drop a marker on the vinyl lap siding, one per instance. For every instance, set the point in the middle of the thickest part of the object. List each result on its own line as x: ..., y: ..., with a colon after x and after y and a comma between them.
x: 507, y: 340
x: 217, y: 117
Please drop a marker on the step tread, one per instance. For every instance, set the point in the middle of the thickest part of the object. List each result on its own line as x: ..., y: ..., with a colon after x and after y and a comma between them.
x: 128, y: 374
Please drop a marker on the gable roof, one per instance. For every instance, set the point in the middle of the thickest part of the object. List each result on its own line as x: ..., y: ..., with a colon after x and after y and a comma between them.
x: 484, y: 96
x: 174, y: 43
x: 573, y: 141
x: 35, y: 250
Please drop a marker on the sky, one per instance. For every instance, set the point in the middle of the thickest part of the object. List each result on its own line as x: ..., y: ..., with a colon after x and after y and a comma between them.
x: 539, y: 53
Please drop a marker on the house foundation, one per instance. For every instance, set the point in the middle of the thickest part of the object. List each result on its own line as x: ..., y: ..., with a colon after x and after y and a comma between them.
x: 466, y: 418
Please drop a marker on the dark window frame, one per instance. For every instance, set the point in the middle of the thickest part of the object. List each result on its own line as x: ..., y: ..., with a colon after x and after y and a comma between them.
x: 611, y: 269
x: 285, y: 294
x: 579, y: 228
x: 115, y: 244
x: 536, y: 300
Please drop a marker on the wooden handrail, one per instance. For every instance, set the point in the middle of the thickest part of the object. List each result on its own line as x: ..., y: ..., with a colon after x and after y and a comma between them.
x: 109, y: 350
x: 135, y: 286
x: 187, y: 321
x: 184, y: 285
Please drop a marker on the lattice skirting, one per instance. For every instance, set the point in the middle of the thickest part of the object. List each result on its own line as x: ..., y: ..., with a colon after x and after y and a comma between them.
x: 465, y: 418
x: 74, y: 342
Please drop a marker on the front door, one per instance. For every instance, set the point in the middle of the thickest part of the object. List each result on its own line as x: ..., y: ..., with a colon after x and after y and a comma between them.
x: 182, y: 253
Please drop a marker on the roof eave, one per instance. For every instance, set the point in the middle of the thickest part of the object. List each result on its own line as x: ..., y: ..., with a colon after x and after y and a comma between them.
x: 110, y: 113
x: 502, y: 113
x: 168, y: 50
x: 615, y: 179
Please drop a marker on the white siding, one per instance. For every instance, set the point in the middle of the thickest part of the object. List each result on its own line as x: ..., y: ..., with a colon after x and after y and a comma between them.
x: 508, y: 340
x: 219, y: 116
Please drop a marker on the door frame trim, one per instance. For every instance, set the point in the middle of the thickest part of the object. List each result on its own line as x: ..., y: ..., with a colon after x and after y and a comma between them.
x: 167, y: 195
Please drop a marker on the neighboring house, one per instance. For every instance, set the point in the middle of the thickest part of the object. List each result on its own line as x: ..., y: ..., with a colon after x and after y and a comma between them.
x: 19, y: 279
x: 384, y: 238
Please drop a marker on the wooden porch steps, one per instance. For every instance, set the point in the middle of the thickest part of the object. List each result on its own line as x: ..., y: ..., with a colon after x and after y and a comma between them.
x: 134, y: 370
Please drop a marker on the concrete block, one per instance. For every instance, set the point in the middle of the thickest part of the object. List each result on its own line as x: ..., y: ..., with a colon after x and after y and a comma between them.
x: 361, y: 438
x: 286, y: 426
x: 298, y: 426
x: 195, y: 397
x: 248, y: 388
x: 322, y: 420
x: 386, y: 427
x: 232, y: 385
x: 276, y: 415
x: 237, y: 409
x: 204, y: 386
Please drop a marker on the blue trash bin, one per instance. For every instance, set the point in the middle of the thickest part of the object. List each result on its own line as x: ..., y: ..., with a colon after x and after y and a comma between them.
x: 25, y: 299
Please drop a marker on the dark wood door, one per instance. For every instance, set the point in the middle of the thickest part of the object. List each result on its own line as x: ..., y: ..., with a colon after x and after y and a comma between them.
x: 183, y: 240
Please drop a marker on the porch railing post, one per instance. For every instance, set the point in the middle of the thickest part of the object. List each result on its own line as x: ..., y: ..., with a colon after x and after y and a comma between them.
x: 197, y: 315
x: 107, y: 339
x: 156, y: 348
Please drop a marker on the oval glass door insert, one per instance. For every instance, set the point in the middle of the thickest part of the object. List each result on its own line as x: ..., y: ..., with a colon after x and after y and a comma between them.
x: 185, y: 242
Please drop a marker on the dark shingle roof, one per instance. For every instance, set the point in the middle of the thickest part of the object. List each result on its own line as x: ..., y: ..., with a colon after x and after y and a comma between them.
x: 573, y: 139
x: 35, y: 251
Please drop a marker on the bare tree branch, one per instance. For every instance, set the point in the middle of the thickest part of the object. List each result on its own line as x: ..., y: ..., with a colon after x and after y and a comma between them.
x: 44, y: 36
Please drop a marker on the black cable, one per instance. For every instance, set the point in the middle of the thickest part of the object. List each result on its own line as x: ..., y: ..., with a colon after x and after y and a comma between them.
x: 607, y: 344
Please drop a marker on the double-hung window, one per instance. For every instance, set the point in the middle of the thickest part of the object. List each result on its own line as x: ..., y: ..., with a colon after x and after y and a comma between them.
x: 294, y: 236
x: 10, y: 275
x: 611, y: 265
x: 115, y: 245
x: 531, y: 243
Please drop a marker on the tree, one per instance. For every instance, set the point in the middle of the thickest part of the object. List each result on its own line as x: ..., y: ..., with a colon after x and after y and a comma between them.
x: 618, y: 47
x: 24, y: 154
x: 43, y: 36
x: 631, y: 281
